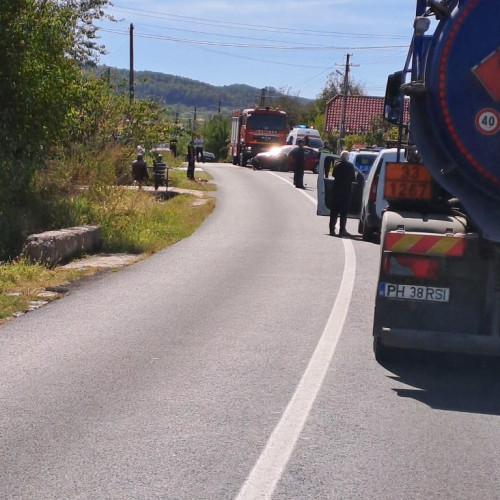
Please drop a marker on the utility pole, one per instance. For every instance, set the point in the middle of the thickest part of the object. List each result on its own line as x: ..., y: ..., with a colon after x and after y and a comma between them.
x: 194, y: 120
x: 263, y: 98
x: 344, y: 102
x: 131, y: 74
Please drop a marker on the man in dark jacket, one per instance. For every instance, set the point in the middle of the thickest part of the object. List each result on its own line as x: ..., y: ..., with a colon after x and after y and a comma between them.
x: 344, y: 175
x: 298, y: 156
x: 139, y: 170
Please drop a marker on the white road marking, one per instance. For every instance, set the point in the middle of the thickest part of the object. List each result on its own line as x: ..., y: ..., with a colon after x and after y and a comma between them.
x: 269, y: 468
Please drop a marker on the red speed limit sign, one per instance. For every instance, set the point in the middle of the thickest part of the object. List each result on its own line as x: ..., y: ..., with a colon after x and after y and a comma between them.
x: 488, y: 121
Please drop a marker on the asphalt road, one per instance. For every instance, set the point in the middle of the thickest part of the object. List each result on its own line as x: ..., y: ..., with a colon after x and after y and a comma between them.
x: 237, y: 364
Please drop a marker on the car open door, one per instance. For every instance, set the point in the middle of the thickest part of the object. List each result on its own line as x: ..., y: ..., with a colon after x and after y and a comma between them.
x: 322, y: 208
x: 325, y: 189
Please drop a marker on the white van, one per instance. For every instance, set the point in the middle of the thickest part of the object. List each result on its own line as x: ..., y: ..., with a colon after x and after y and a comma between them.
x: 374, y: 203
x: 300, y: 132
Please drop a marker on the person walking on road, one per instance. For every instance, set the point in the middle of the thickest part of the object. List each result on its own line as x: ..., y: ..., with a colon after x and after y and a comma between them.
x: 298, y: 155
x: 344, y: 175
x: 139, y: 170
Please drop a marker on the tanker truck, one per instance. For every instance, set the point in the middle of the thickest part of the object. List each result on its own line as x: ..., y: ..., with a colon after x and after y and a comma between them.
x: 439, y: 279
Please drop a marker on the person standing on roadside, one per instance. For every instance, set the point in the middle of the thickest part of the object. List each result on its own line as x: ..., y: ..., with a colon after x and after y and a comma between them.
x: 198, y: 144
x: 328, y: 161
x: 139, y: 170
x: 191, y: 155
x: 173, y: 146
x: 159, y: 169
x: 344, y: 175
x: 298, y: 155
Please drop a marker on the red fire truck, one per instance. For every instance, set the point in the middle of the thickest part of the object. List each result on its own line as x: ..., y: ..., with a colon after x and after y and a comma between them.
x: 254, y: 130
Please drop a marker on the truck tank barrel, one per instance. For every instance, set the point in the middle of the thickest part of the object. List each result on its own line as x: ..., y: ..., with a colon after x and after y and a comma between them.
x: 455, y: 123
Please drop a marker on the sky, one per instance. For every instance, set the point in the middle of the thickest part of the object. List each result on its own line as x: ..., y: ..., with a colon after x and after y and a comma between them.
x: 289, y: 45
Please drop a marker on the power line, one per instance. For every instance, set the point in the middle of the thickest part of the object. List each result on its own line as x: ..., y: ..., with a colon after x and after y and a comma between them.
x: 221, y: 35
x: 257, y: 46
x: 266, y: 61
x: 250, y: 27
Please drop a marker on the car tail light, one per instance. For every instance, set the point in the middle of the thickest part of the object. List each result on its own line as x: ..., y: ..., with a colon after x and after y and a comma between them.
x: 373, y: 189
x: 416, y: 266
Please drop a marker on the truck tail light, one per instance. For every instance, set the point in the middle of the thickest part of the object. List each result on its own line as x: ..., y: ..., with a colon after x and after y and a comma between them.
x: 416, y: 266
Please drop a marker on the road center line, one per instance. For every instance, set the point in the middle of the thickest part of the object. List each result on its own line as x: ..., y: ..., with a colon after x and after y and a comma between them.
x: 268, y: 469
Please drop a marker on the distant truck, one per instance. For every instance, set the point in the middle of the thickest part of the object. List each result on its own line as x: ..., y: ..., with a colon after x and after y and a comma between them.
x: 254, y: 130
x: 439, y: 279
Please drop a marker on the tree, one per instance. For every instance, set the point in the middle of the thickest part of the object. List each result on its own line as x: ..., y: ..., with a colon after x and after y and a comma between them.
x: 43, y: 43
x: 335, y: 85
x: 288, y: 103
x: 216, y: 133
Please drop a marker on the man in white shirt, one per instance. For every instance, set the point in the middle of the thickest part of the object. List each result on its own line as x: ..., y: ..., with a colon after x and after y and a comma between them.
x: 198, y: 148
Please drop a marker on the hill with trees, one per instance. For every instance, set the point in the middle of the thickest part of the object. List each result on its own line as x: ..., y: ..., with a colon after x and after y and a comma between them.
x: 181, y: 95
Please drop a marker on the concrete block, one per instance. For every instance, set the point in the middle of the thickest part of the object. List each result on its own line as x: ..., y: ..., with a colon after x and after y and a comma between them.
x: 54, y: 247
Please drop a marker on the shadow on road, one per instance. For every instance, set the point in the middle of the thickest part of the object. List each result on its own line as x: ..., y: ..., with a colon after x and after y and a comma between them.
x: 449, y: 381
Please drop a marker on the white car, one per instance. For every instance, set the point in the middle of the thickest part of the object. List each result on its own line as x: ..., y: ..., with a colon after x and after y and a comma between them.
x: 373, y: 202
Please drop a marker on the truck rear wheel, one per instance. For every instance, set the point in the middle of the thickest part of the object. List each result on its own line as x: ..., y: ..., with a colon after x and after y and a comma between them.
x: 235, y: 160
x: 366, y: 232
x: 381, y: 351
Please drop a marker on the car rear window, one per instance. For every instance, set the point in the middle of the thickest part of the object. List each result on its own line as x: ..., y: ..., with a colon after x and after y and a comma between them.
x: 365, y: 160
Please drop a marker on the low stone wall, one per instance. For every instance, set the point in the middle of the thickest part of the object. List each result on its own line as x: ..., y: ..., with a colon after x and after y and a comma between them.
x: 54, y: 247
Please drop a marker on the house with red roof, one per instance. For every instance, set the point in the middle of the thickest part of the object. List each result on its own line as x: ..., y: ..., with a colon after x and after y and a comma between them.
x: 360, y: 111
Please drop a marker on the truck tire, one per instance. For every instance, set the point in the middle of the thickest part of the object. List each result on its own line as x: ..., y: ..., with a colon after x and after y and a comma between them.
x: 235, y: 160
x: 243, y: 160
x: 366, y: 232
x: 315, y: 169
x: 381, y: 351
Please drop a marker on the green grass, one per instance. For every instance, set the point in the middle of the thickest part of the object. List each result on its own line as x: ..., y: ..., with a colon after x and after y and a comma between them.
x: 131, y: 221
x: 21, y: 282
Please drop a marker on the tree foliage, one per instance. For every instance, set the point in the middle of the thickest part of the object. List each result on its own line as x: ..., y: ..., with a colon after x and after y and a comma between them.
x: 216, y: 132
x: 42, y: 43
x: 335, y: 85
